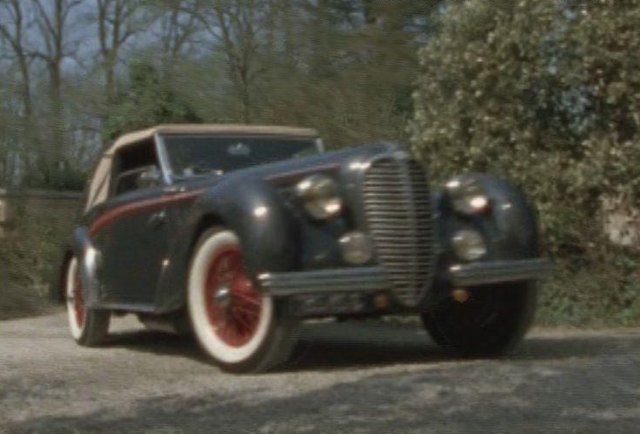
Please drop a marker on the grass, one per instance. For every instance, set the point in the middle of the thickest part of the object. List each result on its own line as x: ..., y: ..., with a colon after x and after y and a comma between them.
x: 20, y: 302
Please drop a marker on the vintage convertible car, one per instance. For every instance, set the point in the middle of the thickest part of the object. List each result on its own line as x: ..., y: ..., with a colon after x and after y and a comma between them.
x: 239, y: 232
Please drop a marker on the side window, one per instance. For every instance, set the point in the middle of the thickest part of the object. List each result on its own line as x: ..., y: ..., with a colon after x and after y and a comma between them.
x: 135, y: 167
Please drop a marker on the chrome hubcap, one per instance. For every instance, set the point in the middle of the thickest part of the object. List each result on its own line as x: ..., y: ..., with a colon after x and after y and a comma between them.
x: 222, y: 297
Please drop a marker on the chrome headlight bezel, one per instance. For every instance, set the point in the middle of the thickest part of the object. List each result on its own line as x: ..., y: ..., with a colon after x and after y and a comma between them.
x: 356, y: 247
x: 319, y: 195
x: 467, y: 196
x: 469, y: 245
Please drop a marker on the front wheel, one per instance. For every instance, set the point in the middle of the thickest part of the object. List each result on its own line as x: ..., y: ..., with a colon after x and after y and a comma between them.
x: 239, y: 327
x: 490, y: 323
x: 89, y: 327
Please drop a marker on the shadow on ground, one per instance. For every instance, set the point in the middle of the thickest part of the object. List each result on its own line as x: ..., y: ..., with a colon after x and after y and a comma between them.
x: 527, y: 394
x: 320, y: 346
x: 331, y: 346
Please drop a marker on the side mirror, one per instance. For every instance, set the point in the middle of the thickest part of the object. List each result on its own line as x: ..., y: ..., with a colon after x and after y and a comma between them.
x: 149, y: 177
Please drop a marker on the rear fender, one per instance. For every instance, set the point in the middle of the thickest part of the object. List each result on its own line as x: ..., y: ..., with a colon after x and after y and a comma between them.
x: 89, y: 262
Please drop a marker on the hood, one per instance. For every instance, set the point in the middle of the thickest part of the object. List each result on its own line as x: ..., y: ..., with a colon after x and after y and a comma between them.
x: 289, y: 170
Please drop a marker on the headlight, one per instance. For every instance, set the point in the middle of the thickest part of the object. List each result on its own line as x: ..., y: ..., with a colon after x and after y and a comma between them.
x: 319, y: 194
x: 467, y: 196
x: 356, y: 247
x: 468, y: 245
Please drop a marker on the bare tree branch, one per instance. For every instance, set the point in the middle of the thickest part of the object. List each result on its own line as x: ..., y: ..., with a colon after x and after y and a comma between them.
x: 52, y: 22
x: 116, y: 25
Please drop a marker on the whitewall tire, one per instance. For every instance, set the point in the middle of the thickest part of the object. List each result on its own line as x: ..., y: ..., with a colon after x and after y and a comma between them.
x: 239, y: 327
x: 88, y: 327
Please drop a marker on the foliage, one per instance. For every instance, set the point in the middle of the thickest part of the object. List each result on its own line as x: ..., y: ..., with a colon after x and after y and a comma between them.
x: 17, y: 302
x: 62, y: 176
x: 148, y: 101
x: 345, y: 67
x: 602, y: 295
x: 546, y: 93
x: 29, y: 257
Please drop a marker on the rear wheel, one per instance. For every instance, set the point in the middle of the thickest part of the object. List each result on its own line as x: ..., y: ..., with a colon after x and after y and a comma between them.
x: 239, y: 327
x: 490, y: 323
x: 89, y: 327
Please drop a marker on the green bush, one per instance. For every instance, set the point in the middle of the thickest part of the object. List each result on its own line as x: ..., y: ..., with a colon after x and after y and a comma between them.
x: 546, y: 93
x: 29, y: 258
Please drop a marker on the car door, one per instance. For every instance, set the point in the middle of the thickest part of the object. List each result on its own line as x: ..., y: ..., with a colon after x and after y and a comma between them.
x: 131, y: 233
x: 133, y: 246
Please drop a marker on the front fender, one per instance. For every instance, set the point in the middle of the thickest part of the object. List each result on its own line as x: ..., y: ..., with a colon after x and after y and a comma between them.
x: 255, y: 211
x: 251, y: 208
x: 509, y: 226
x: 513, y: 220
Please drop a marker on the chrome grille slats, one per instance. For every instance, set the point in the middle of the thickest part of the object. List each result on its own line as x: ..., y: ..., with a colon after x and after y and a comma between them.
x: 398, y: 212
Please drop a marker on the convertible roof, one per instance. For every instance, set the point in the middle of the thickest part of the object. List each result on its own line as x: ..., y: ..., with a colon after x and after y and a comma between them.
x: 221, y: 129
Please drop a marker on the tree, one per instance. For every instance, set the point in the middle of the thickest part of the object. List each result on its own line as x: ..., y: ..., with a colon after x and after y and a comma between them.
x: 177, y: 28
x: 11, y: 132
x: 13, y: 27
x: 547, y: 94
x: 352, y: 70
x: 52, y: 20
x: 343, y: 66
x: 531, y: 88
x: 12, y: 31
x: 148, y: 101
x: 235, y: 27
x: 117, y: 23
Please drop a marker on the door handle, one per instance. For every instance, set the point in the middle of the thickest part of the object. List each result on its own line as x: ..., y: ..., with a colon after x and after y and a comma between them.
x: 158, y: 218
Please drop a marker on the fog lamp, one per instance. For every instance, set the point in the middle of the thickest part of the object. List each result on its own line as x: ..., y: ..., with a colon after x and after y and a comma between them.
x: 319, y: 194
x: 468, y: 245
x: 356, y: 247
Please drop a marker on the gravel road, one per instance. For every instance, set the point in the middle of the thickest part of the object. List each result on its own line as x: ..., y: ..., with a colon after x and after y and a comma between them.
x: 344, y: 378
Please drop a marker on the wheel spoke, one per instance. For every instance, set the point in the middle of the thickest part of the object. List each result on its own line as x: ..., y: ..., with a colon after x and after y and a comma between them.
x: 247, y: 299
x: 254, y: 313
x: 244, y: 322
x: 233, y: 317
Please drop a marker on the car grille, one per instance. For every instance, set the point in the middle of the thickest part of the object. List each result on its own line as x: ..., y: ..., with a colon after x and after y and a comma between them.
x: 398, y: 212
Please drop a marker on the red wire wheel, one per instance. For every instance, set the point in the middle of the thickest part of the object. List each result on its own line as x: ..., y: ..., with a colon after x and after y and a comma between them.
x: 241, y: 328
x: 233, y: 304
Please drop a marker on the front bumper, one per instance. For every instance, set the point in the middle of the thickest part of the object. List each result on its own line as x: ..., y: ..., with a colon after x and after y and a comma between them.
x: 360, y: 279
x: 485, y: 273
x: 373, y: 279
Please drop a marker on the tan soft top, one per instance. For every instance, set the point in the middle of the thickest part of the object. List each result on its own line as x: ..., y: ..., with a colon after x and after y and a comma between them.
x: 98, y: 189
x: 138, y: 136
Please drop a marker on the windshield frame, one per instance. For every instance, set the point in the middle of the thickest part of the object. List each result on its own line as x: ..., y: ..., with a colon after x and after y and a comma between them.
x: 168, y: 175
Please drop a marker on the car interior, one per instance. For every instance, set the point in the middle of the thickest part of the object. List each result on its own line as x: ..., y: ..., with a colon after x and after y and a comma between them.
x: 135, y: 167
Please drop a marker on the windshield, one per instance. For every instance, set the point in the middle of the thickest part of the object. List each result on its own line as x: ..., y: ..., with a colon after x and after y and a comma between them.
x: 202, y: 155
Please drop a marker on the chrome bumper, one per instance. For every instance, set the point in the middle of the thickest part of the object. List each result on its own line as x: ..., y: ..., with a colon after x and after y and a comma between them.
x: 371, y: 279
x: 484, y: 273
x: 361, y: 279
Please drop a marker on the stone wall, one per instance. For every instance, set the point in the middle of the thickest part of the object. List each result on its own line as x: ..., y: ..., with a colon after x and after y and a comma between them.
x: 19, y: 206
x: 34, y: 225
